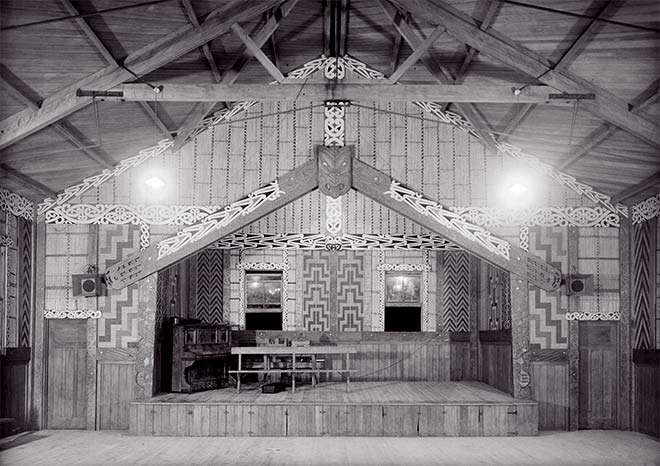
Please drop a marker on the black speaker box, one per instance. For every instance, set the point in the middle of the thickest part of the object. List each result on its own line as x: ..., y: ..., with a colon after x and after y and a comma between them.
x: 579, y: 285
x: 87, y: 284
x: 274, y: 387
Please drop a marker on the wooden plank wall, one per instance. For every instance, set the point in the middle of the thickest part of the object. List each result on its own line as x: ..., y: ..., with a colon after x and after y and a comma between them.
x: 336, y: 420
x: 115, y: 392
x: 496, y: 365
x: 391, y: 356
x: 550, y: 389
x: 228, y: 161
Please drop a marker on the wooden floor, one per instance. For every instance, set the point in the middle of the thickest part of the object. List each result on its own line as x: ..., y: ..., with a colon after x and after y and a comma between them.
x: 81, y: 448
x: 370, y: 409
x: 369, y: 393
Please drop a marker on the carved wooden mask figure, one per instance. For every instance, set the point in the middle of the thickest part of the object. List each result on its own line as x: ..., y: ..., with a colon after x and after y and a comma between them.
x: 335, y: 169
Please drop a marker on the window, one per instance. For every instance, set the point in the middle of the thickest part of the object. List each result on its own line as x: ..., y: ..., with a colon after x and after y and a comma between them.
x: 403, y: 305
x: 263, y: 291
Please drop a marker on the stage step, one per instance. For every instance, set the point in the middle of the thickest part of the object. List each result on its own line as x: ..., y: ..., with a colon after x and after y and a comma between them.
x: 336, y: 419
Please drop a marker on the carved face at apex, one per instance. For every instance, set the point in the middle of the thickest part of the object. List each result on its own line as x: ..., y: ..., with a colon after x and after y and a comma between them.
x: 335, y: 169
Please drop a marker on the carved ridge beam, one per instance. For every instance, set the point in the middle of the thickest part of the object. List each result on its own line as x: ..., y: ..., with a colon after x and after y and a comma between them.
x: 463, y: 28
x: 284, y: 190
x: 142, y: 61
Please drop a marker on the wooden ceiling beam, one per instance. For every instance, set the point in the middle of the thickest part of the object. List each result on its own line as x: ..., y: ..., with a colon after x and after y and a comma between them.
x: 257, y: 53
x: 417, y: 53
x: 202, y: 109
x: 439, y: 72
x: 293, y: 91
x: 465, y: 29
x: 652, y: 182
x: 489, y: 17
x: 99, y: 45
x: 40, y: 190
x: 206, y: 50
x: 153, y: 115
x: 567, y: 57
x: 30, y: 98
x: 516, y: 121
x: 141, y: 62
x: 606, y: 130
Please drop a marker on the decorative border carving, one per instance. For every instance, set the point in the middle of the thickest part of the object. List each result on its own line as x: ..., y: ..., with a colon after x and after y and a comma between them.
x: 284, y: 267
x: 123, y: 214
x: 593, y: 316
x: 540, y: 216
x: 315, y: 241
x: 524, y: 237
x: 220, y: 219
x: 6, y: 241
x: 97, y: 180
x: 16, y: 204
x: 646, y: 210
x: 333, y: 215
x: 382, y: 268
x: 145, y: 236
x: 449, y: 219
x: 517, y: 153
x: 75, y: 314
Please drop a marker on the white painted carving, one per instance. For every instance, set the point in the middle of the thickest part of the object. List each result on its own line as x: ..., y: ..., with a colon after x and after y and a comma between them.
x: 16, y: 204
x: 145, y: 236
x: 540, y: 216
x: 646, y: 210
x: 448, y: 219
x: 219, y: 219
x: 524, y: 238
x: 97, y: 180
x: 75, y: 314
x: 593, y: 316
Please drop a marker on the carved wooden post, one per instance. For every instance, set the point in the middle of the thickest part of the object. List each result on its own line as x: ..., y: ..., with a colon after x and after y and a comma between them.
x: 573, y: 340
x: 520, y: 338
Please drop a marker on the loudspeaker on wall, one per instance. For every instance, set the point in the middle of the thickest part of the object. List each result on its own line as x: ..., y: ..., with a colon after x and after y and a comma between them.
x: 579, y: 284
x: 87, y: 284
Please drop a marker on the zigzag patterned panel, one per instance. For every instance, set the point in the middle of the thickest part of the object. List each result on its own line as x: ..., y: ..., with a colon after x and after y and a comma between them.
x: 456, y: 291
x: 118, y: 325
x: 643, y: 252
x: 548, y: 329
x: 350, y: 291
x: 25, y: 280
x: 210, y: 286
x: 316, y: 283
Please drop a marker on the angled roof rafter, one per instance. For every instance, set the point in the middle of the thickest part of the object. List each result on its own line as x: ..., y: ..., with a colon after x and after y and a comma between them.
x: 141, y: 62
x: 206, y: 50
x: 201, y: 110
x: 463, y: 28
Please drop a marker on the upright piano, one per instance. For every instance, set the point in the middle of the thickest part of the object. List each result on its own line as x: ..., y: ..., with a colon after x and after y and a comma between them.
x: 200, y: 356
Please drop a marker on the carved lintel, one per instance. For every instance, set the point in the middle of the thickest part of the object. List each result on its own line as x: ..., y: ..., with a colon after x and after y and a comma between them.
x: 335, y: 169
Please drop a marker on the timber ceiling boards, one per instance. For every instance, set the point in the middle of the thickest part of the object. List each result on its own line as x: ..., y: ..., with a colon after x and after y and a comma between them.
x: 621, y: 62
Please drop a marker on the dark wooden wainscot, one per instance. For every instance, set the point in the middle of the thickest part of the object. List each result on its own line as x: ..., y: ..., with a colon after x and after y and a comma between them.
x: 13, y: 390
x: 200, y: 356
x: 647, y: 391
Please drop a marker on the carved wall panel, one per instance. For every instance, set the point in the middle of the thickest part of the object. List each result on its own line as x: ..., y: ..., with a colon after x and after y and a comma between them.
x: 456, y: 291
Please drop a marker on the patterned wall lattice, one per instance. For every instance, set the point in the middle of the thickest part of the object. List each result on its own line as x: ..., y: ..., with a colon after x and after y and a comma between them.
x: 548, y: 327
x: 25, y: 280
x: 350, y: 291
x: 456, y: 291
x: 210, y: 276
x: 643, y: 275
x: 316, y: 286
x: 118, y: 325
x: 499, y: 298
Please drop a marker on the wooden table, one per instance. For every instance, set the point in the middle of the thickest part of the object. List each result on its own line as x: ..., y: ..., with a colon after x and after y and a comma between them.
x: 293, y: 351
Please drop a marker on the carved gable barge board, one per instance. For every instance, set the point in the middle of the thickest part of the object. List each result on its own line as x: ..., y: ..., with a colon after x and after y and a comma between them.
x: 464, y: 29
x: 374, y: 183
x: 293, y: 185
x: 141, y: 62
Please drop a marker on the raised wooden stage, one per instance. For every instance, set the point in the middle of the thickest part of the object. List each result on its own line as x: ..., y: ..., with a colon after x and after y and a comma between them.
x: 372, y: 409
